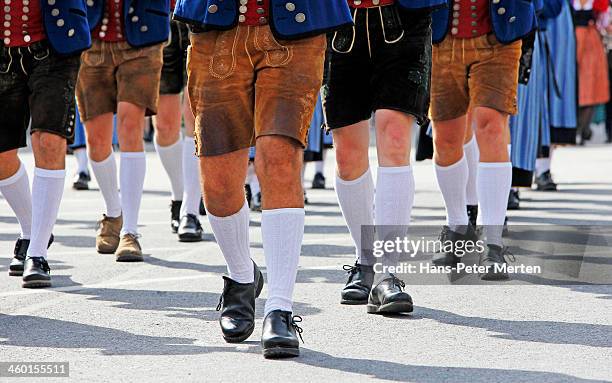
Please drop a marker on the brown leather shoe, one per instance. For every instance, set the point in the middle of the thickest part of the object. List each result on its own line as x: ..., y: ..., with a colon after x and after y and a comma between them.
x: 129, y: 249
x: 107, y: 237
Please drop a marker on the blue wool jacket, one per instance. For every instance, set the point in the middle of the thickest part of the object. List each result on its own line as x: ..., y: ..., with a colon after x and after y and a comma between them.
x: 511, y: 19
x: 290, y: 19
x: 146, y: 21
x: 65, y: 23
x: 418, y: 4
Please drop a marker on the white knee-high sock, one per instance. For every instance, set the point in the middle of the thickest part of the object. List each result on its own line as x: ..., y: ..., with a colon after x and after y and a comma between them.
x: 452, y: 181
x: 131, y: 180
x: 105, y: 172
x: 47, y: 191
x: 472, y: 156
x: 320, y: 165
x: 16, y: 191
x: 191, y: 179
x: 356, y: 199
x: 171, y: 157
x: 232, y: 235
x: 393, y: 205
x: 494, y: 182
x: 81, y: 156
x: 282, y: 231
x: 252, y: 180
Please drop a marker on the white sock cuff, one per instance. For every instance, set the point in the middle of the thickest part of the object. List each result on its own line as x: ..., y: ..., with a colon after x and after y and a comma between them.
x: 133, y: 155
x: 495, y: 165
x: 189, y: 140
x: 15, y: 177
x: 395, y: 169
x: 244, y: 208
x: 452, y: 166
x: 357, y: 180
x: 105, y: 161
x: 470, y: 143
x: 38, y: 172
x: 168, y: 148
x: 293, y: 211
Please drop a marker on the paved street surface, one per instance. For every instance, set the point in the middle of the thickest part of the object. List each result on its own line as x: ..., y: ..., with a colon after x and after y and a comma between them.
x: 156, y: 321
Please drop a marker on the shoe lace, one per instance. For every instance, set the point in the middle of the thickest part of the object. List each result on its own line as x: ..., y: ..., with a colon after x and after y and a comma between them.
x: 398, y: 282
x: 506, y: 255
x: 351, y: 270
x: 42, y: 263
x: 294, y: 323
x: 18, y: 246
x: 220, y: 304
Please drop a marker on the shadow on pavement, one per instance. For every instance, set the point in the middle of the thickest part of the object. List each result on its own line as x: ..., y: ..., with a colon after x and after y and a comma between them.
x: 429, y: 374
x: 583, y: 334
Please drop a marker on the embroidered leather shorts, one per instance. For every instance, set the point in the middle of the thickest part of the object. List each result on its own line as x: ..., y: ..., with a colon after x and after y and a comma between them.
x: 244, y: 84
x: 174, y: 71
x: 115, y: 72
x: 467, y: 73
x: 39, y: 84
x: 383, y: 62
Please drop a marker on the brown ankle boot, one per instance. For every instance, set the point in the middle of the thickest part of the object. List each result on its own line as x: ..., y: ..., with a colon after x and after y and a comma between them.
x: 107, y: 236
x: 129, y: 249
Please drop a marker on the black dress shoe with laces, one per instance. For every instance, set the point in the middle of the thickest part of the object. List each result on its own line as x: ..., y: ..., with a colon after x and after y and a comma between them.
x: 21, y: 249
x: 388, y: 297
x: 494, y: 258
x: 190, y: 229
x: 450, y: 258
x: 544, y: 182
x: 36, y: 273
x: 237, y: 306
x: 202, y: 207
x: 175, y: 215
x: 472, y: 212
x: 81, y: 181
x: 279, y: 338
x: 358, y: 286
x: 514, y: 201
x: 318, y: 182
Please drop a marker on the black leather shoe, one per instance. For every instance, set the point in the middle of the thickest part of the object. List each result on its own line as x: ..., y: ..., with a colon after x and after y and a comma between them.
x: 36, y: 273
x: 175, y: 215
x: 279, y: 338
x: 514, y: 201
x: 190, y: 229
x: 495, y: 258
x: 81, y: 181
x: 388, y: 297
x: 358, y: 286
x: 21, y: 249
x: 256, y: 202
x: 318, y: 182
x: 472, y: 211
x: 248, y: 193
x: 237, y: 306
x: 450, y: 258
x: 544, y: 182
x: 202, y: 207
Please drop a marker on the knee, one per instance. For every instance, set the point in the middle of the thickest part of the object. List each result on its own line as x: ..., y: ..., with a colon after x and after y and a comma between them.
x: 491, y: 129
x: 395, y: 145
x: 166, y: 130
x: 350, y: 159
x: 49, y: 150
x: 9, y: 164
x: 130, y: 130
x: 447, y: 143
x: 278, y: 159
